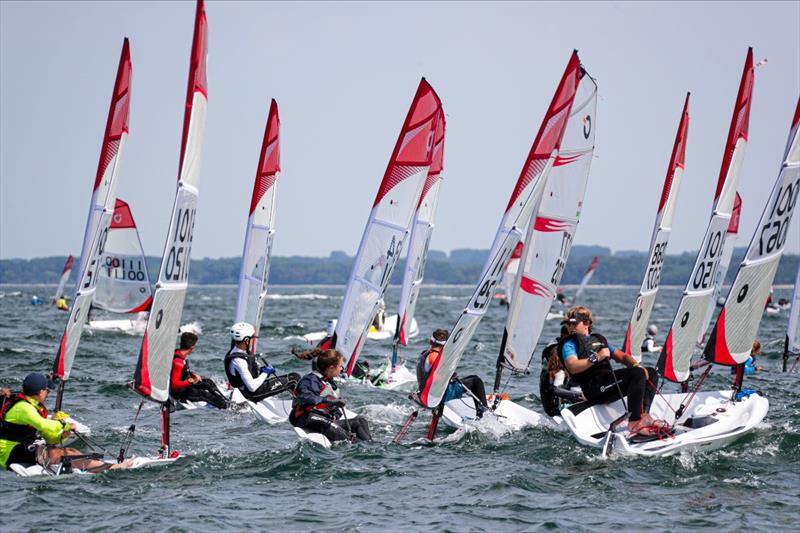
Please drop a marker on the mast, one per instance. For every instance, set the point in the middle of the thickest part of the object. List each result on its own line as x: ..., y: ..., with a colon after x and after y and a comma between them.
x: 151, y: 378
x: 688, y: 322
x: 420, y: 240
x: 260, y: 227
x: 101, y: 207
x: 662, y: 229
x: 524, y: 202
x: 732, y: 338
x: 386, y: 230
x: 551, y: 232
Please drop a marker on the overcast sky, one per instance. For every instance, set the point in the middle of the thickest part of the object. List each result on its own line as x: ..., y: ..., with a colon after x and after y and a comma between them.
x: 344, y: 75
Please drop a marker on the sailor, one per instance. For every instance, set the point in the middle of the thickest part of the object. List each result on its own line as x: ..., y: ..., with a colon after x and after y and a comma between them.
x: 61, y: 304
x: 23, y: 416
x: 317, y: 407
x: 380, y: 317
x: 457, y: 386
x: 649, y: 344
x: 554, y: 383
x: 750, y: 367
x: 586, y: 356
x: 185, y: 385
x: 35, y: 300
x: 561, y: 297
x: 256, y: 379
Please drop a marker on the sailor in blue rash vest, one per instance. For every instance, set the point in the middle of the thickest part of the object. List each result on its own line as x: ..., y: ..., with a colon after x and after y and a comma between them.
x: 586, y: 353
x: 317, y: 407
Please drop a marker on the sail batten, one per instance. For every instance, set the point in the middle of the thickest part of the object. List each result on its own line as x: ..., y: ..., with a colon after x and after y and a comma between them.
x: 151, y: 378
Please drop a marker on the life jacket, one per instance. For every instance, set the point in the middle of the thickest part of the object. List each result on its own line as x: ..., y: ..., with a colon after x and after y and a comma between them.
x: 252, y: 365
x: 550, y: 402
x: 185, y: 370
x: 586, y: 345
x: 422, y: 374
x: 21, y: 433
x: 322, y: 408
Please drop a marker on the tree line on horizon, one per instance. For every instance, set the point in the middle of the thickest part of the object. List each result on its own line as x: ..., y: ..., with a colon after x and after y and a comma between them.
x: 460, y: 267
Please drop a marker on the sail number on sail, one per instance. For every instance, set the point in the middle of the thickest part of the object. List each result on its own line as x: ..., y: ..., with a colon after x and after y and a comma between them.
x: 773, y: 233
x: 702, y: 277
x: 90, y: 279
x: 653, y: 276
x: 176, y: 265
x: 496, y: 271
x: 124, y: 269
x: 561, y: 262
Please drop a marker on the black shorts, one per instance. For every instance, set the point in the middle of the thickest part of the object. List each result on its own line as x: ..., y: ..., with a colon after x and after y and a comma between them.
x: 22, y: 455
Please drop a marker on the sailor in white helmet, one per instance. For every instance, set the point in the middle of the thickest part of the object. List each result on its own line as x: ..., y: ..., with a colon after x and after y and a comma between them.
x: 649, y: 344
x: 255, y: 378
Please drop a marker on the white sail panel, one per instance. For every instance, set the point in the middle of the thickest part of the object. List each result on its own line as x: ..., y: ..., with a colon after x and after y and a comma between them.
x: 151, y: 377
x: 549, y: 238
x: 100, y: 210
x: 662, y: 230
x: 385, y: 233
x: 792, y: 344
x: 62, y: 282
x: 737, y: 325
x: 123, y: 285
x: 689, y: 319
x: 260, y: 227
x: 510, y: 275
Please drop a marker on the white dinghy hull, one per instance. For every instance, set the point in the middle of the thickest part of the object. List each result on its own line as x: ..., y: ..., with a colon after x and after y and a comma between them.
x: 458, y: 413
x: 39, y: 470
x: 711, y: 421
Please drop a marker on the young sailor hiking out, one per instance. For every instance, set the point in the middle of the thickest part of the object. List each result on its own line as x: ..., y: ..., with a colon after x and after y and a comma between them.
x: 24, y: 417
x: 185, y: 385
x: 255, y: 378
x: 586, y: 357
x: 317, y: 407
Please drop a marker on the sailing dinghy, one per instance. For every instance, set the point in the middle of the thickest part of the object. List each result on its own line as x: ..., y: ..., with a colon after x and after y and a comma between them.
x: 62, y: 282
x: 637, y: 326
x: 791, y: 346
x: 123, y: 286
x: 701, y: 420
x: 152, y: 376
x: 522, y: 212
x: 586, y: 277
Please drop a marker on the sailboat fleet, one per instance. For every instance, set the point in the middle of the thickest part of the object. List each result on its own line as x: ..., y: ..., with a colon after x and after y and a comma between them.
x: 527, y: 258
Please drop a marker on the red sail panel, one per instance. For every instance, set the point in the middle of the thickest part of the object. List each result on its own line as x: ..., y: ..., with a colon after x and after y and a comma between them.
x: 678, y: 158
x: 122, y: 217
x: 117, y: 122
x: 740, y: 121
x: 269, y: 163
x: 68, y: 265
x: 733, y: 227
x: 437, y: 160
x: 197, y: 72
x: 552, y: 129
x: 415, y: 143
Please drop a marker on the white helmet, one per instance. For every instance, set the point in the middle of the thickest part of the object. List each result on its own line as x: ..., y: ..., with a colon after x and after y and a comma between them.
x: 331, y: 327
x: 241, y: 331
x: 652, y: 329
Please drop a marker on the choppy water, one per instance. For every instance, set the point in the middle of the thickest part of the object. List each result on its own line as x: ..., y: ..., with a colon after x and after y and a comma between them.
x: 240, y: 473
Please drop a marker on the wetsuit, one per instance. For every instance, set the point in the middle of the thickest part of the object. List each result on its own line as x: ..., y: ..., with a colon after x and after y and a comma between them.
x: 597, y: 381
x: 204, y: 390
x: 22, y: 418
x: 455, y: 389
x: 245, y: 373
x: 316, y: 409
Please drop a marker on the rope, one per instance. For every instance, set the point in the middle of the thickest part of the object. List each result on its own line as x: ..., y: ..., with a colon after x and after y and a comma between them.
x: 126, y: 442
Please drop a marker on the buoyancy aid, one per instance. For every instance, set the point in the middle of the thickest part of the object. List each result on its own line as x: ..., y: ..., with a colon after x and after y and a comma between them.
x: 422, y: 372
x: 585, y: 346
x: 327, y: 389
x: 185, y: 369
x: 252, y: 366
x: 21, y: 433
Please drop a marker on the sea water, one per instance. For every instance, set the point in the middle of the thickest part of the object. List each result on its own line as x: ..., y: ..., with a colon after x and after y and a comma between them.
x: 239, y: 473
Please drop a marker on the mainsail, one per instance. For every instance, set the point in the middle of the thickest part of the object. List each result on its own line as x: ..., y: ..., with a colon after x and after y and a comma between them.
x: 123, y: 285
x: 524, y: 201
x: 662, y: 229
x: 688, y: 322
x: 260, y: 227
x: 64, y: 277
x: 506, y: 284
x: 100, y: 209
x: 737, y: 325
x: 420, y: 239
x: 151, y: 378
x: 551, y: 233
x: 792, y: 344
x: 724, y: 263
x: 587, y: 276
x: 387, y: 226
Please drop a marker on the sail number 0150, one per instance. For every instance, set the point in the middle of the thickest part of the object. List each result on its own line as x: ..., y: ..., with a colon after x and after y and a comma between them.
x: 176, y: 263
x: 703, y: 274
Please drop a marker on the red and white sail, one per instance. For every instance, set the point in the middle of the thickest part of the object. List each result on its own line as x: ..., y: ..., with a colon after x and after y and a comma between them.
x: 387, y: 226
x: 689, y: 319
x: 420, y: 239
x: 523, y: 204
x: 737, y: 325
x: 123, y: 285
x: 509, y: 278
x: 792, y: 344
x: 101, y: 207
x: 151, y: 378
x: 64, y: 277
x: 260, y: 227
x: 586, y: 277
x: 637, y: 327
x: 724, y: 263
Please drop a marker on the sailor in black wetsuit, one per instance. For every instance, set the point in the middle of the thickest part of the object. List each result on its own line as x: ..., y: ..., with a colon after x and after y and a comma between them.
x: 255, y: 379
x: 317, y: 407
x: 585, y: 355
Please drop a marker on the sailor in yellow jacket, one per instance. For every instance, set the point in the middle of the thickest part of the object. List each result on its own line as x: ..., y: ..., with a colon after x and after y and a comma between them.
x: 61, y: 304
x: 23, y: 417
